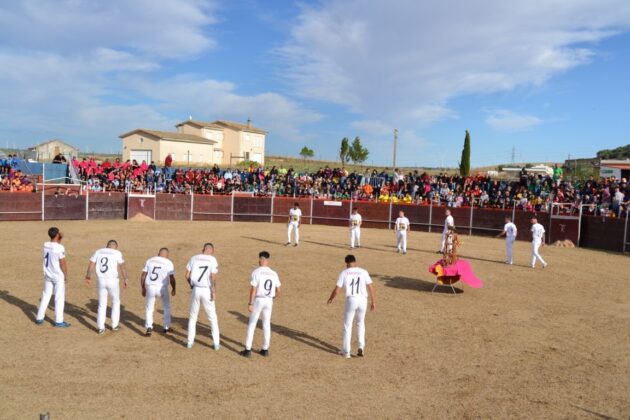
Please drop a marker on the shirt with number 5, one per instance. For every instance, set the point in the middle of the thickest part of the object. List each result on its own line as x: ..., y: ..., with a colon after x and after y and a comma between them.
x: 354, y: 280
x: 107, y: 260
x: 158, y: 270
x: 201, y: 267
x: 265, y: 280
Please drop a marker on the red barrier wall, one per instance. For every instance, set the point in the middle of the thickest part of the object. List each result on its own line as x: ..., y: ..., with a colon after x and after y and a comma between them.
x: 64, y: 207
x: 561, y: 229
x: 144, y: 205
x: 490, y: 222
x: 331, y: 215
x: 172, y: 207
x: 20, y: 206
x: 602, y: 233
x: 374, y: 215
x: 281, y: 206
x: 208, y: 207
x: 106, y: 206
x: 252, y: 209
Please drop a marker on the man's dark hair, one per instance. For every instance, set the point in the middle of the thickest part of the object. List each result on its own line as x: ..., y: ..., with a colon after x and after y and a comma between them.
x: 508, y: 218
x: 264, y: 254
x: 53, y: 232
x: 355, y: 209
x: 296, y: 204
x: 207, y: 245
x: 111, y: 242
x: 163, y: 249
x: 350, y: 259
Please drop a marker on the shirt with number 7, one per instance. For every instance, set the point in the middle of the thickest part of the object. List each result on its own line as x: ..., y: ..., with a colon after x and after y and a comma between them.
x: 201, y: 267
x: 354, y: 280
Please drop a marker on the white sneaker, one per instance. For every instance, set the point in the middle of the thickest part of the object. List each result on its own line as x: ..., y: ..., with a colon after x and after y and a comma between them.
x: 189, y: 345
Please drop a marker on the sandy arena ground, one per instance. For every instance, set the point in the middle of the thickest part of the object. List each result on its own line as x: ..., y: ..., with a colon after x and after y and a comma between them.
x: 551, y: 343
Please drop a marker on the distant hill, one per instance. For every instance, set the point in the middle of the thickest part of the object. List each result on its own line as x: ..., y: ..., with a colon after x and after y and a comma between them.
x: 622, y: 152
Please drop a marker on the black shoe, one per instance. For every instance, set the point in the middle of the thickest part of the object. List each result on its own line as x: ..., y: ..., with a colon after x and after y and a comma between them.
x: 166, y: 330
x: 360, y: 353
x: 149, y: 332
x: 246, y: 353
x: 264, y: 353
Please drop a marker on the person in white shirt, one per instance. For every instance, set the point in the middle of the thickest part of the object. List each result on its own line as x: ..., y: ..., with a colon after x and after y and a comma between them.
x: 448, y: 222
x: 107, y: 263
x: 509, y: 231
x: 158, y: 272
x: 265, y: 287
x: 295, y: 220
x: 201, y: 273
x: 538, y: 240
x: 402, y: 227
x: 357, y: 284
x: 55, y: 275
x: 355, y: 228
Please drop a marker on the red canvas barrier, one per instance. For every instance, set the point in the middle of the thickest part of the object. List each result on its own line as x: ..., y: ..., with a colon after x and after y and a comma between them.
x: 64, y: 207
x: 252, y: 209
x: 489, y: 222
x: 106, y: 206
x: 374, y: 215
x: 141, y: 205
x: 564, y: 227
x: 332, y: 213
x: 281, y: 206
x: 418, y: 216
x: 602, y: 233
x: 212, y: 207
x: 20, y: 206
x: 173, y: 207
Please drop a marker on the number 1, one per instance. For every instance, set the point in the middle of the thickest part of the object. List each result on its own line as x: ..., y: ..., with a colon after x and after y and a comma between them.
x: 47, y: 259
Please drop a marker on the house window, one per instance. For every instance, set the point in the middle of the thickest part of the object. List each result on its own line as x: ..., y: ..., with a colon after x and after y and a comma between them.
x: 200, y: 158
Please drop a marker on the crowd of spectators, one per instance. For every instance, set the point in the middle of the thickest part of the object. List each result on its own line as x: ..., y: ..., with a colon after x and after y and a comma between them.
x: 532, y: 192
x: 11, y: 178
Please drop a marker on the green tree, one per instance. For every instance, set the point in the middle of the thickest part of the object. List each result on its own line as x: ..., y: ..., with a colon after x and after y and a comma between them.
x: 357, y: 152
x: 464, y: 164
x: 344, y: 152
x: 306, y: 152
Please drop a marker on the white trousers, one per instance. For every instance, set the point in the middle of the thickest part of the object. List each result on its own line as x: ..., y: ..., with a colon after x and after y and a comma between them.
x: 509, y: 242
x: 261, y: 306
x: 401, y: 240
x: 293, y: 226
x: 535, y: 254
x: 201, y: 296
x: 152, y: 294
x: 58, y: 288
x: 443, y: 241
x: 105, y: 287
x: 355, y: 236
x: 355, y: 307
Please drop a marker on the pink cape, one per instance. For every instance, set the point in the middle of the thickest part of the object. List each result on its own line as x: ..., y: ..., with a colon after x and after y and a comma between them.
x: 462, y: 269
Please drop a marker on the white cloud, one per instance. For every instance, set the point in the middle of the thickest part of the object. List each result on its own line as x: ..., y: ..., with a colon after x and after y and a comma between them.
x: 86, y: 70
x: 382, y: 59
x: 173, y: 28
x: 506, y: 120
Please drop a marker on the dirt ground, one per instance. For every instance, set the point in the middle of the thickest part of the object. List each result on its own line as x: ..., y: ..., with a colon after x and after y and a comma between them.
x: 551, y: 343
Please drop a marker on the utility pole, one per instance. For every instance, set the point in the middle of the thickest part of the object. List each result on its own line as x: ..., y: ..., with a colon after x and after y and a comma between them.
x: 513, y: 153
x: 395, y: 146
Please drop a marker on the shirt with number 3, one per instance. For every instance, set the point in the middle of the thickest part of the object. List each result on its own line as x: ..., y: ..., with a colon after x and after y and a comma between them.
x: 354, y: 280
x: 53, y: 253
x: 107, y: 260
x: 158, y: 270
x: 265, y: 280
x: 201, y: 267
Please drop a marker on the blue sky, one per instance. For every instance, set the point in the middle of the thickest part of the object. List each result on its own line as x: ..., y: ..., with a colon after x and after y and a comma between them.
x: 547, y: 78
